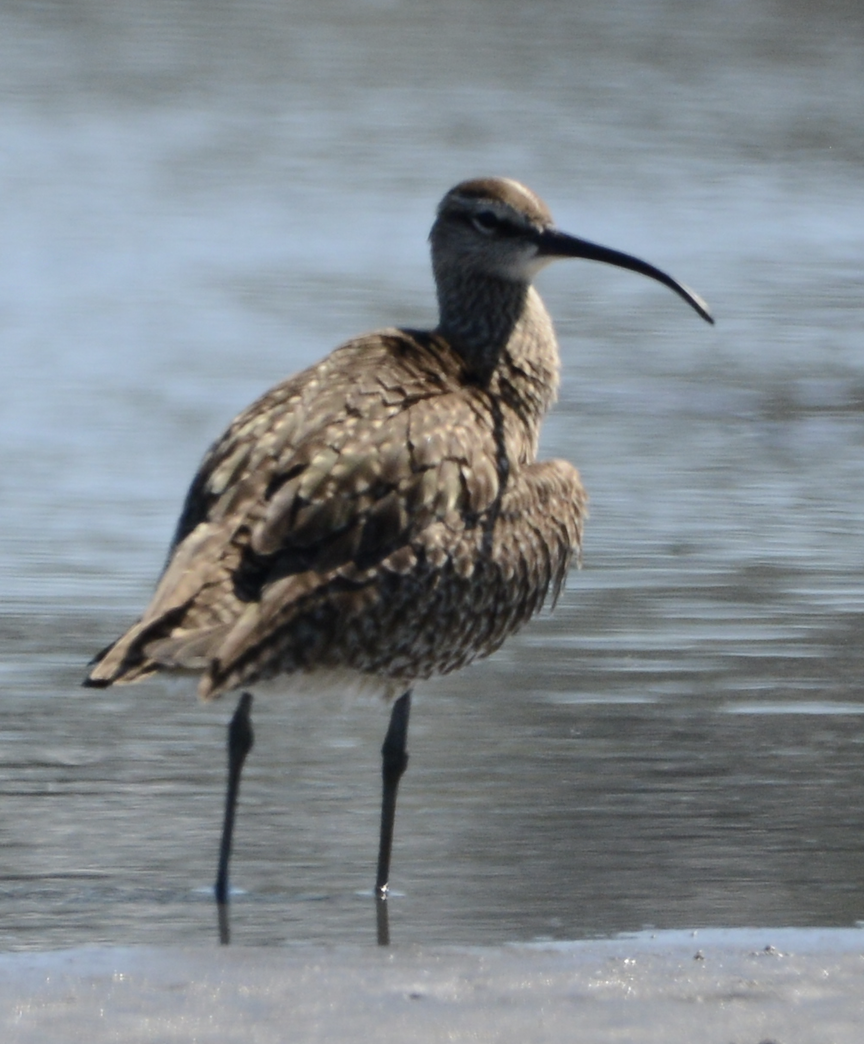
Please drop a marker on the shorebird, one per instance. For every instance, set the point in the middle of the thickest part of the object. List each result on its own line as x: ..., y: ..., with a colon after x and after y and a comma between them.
x: 382, y: 516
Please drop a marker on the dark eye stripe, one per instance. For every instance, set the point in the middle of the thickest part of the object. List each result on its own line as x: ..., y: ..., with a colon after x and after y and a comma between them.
x: 487, y: 221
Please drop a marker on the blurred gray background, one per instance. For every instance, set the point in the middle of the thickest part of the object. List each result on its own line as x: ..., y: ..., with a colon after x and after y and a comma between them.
x: 198, y: 198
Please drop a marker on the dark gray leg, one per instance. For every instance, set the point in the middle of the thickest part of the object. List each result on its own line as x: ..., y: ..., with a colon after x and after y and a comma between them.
x: 240, y: 740
x: 394, y: 761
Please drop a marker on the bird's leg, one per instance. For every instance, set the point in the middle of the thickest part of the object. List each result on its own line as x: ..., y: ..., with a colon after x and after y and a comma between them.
x: 240, y: 740
x: 394, y: 761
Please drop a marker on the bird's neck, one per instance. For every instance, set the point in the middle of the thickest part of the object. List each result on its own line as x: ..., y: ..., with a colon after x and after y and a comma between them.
x: 505, y: 335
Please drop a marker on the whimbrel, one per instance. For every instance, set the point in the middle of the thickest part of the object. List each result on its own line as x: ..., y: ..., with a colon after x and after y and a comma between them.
x: 383, y: 515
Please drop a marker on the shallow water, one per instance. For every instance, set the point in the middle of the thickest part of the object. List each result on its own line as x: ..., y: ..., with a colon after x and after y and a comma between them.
x: 197, y: 202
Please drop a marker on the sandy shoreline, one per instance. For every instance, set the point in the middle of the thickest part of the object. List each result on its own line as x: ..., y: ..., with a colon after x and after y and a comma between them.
x: 730, y: 987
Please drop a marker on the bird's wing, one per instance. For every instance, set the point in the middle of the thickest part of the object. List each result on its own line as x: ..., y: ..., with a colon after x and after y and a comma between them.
x: 344, y: 462
x: 334, y: 470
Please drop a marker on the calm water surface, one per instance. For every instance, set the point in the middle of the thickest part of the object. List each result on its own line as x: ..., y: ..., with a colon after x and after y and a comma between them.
x: 198, y: 201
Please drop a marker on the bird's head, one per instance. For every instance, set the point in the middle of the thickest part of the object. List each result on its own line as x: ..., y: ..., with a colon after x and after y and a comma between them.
x: 499, y: 229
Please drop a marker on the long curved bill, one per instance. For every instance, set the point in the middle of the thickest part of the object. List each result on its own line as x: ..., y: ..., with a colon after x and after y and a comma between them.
x: 552, y: 243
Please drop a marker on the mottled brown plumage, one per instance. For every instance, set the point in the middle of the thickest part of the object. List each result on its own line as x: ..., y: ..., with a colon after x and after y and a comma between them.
x: 384, y: 511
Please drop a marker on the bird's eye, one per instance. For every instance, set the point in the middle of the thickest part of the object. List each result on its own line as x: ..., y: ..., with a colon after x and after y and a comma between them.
x: 485, y: 221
